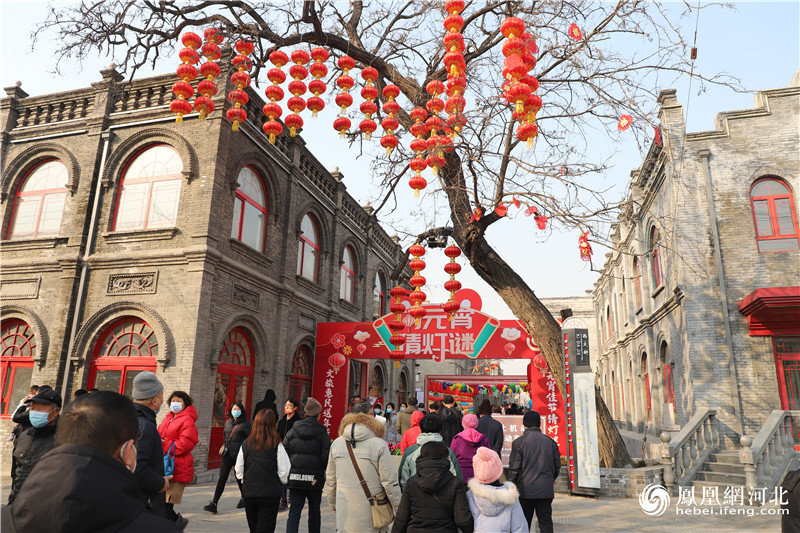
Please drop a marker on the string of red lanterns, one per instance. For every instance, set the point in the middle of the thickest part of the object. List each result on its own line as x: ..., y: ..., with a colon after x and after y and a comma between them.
x: 452, y: 285
x: 419, y: 146
x: 417, y: 281
x: 297, y: 87
x: 519, y: 50
x: 238, y: 97
x: 209, y: 70
x: 369, y: 93
x: 396, y: 326
x: 186, y: 72
x: 274, y: 93
x: 345, y: 82
x: 390, y: 123
x: 456, y: 65
x: 316, y: 86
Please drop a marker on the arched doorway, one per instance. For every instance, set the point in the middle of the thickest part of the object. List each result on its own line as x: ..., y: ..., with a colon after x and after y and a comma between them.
x: 234, y: 383
x: 377, y: 383
x: 402, y: 389
x: 17, y: 344
x: 300, y: 379
x: 127, y: 347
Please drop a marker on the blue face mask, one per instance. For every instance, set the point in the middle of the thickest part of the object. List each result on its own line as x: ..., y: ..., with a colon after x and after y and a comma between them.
x: 388, y: 410
x: 39, y: 419
x: 377, y: 411
x: 176, y: 407
x: 236, y: 413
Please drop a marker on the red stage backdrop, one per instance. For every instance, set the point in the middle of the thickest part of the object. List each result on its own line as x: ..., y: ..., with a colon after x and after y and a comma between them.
x: 470, y: 335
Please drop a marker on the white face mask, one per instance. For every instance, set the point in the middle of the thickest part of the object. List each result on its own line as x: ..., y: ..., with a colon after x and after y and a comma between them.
x: 122, y: 456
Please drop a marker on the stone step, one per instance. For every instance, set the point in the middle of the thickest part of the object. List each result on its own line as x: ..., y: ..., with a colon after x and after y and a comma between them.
x: 724, y: 457
x: 698, y: 484
x: 721, y: 478
x: 725, y: 467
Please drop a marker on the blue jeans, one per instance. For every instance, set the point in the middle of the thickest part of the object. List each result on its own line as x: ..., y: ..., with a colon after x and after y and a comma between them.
x: 297, y: 498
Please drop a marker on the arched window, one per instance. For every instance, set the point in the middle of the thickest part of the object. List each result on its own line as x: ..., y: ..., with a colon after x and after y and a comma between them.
x: 250, y: 210
x: 347, y: 286
x: 377, y: 383
x: 774, y: 216
x: 668, y: 366
x: 17, y: 346
x: 125, y: 348
x: 40, y: 199
x: 308, y: 253
x: 655, y: 256
x: 638, y: 274
x: 625, y: 308
x: 608, y: 320
x: 150, y: 190
x: 646, y: 383
x: 614, y: 387
x: 300, y: 379
x: 379, y: 296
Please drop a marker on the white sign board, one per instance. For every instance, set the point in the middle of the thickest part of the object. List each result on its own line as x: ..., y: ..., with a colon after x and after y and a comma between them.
x: 588, y: 467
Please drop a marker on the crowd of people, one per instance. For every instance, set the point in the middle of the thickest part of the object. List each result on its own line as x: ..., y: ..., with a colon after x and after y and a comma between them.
x: 120, y: 471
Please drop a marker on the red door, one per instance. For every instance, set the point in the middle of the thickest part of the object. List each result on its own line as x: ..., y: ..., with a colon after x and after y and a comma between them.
x: 127, y: 347
x: 300, y: 380
x: 234, y: 383
x: 787, y: 366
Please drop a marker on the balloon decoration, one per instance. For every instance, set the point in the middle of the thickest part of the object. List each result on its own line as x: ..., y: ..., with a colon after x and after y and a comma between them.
x: 451, y: 306
x: 369, y: 93
x: 519, y: 50
x: 209, y: 70
x: 297, y: 87
x: 575, y: 32
x: 396, y: 326
x: 584, y: 247
x: 241, y: 79
x: 467, y: 391
x: 390, y: 123
x: 316, y: 86
x: 274, y: 93
x: 345, y: 82
x: 419, y: 129
x: 186, y: 72
x: 417, y: 281
x: 624, y: 122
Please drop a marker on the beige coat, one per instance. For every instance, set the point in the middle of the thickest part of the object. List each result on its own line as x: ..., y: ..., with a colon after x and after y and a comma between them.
x: 342, y: 488
x: 404, y: 419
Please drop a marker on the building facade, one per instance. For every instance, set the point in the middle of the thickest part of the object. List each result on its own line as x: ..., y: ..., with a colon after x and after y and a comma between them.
x: 133, y: 243
x: 698, y: 306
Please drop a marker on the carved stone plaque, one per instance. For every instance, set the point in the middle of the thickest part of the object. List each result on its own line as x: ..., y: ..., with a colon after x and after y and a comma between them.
x: 141, y: 283
x: 19, y: 289
x: 245, y: 297
x: 306, y: 322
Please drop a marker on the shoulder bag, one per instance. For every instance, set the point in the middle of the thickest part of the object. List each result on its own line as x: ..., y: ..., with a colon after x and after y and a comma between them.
x: 169, y: 461
x: 381, y: 507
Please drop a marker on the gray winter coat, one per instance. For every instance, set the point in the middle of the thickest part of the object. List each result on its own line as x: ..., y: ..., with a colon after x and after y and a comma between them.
x: 534, y: 464
x: 392, y: 436
x: 496, y: 509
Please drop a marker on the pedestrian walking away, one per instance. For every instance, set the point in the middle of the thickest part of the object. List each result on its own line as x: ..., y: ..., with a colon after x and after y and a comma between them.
x: 342, y: 487
x: 466, y: 444
x: 495, y: 506
x: 267, y: 403
x: 236, y: 430
x: 86, y: 484
x: 534, y: 465
x: 404, y: 422
x: 148, y: 397
x: 290, y: 416
x: 431, y: 426
x: 178, y: 433
x: 308, y: 446
x: 434, y: 501
x: 411, y: 434
x: 451, y: 420
x: 490, y: 427
x: 37, y: 440
x: 263, y: 466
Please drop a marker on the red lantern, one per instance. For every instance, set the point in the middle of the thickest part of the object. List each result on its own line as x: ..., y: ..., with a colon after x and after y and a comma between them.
x: 512, y: 27
x: 368, y: 108
x: 389, y: 142
x: 315, y: 104
x: 244, y: 48
x: 344, y: 100
x: 396, y: 325
x: 454, y: 42
x: 187, y: 72
x: 241, y: 79
x: 454, y: 6
x: 272, y: 128
x: 345, y: 83
x: 584, y: 247
x: 346, y: 63
x: 541, y: 221
x: 236, y: 115
x: 526, y: 132
x: 341, y: 124
x: 434, y: 88
x: 575, y: 32
x: 180, y: 107
x: 452, y: 268
x: 367, y: 127
x: 624, y: 122
x: 274, y: 93
x: 501, y: 210
x: 369, y: 74
x: 418, y: 145
x: 417, y: 281
x: 337, y: 361
x: 203, y: 105
x: 294, y: 123
x: 213, y: 35
x: 238, y: 97
x: 453, y: 23
x: 296, y: 104
x: 456, y: 85
x: 191, y: 40
x: 454, y: 61
x: 540, y: 363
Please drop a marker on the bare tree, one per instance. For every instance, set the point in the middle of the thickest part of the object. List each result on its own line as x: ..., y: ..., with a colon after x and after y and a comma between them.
x: 628, y: 50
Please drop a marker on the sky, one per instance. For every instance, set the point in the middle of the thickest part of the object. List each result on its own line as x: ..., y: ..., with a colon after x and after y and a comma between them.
x: 756, y: 42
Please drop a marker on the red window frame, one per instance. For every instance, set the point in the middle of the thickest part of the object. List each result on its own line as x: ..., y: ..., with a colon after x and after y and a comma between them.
x: 42, y: 193
x: 608, y: 321
x: 301, y: 372
x: 773, y: 215
x: 245, y: 199
x: 655, y: 256
x: 12, y: 358
x: 348, y: 278
x: 787, y: 359
x: 380, y: 295
x: 124, y: 363
x: 306, y: 243
x: 149, y: 180
x: 614, y: 387
x: 638, y: 275
x: 648, y: 399
x: 669, y: 385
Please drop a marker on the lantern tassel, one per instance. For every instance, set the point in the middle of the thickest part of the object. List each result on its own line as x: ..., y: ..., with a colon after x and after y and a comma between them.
x: 314, y: 114
x: 235, y: 126
x: 530, y: 143
x: 520, y: 107
x: 416, y: 193
x: 397, y: 364
x: 272, y: 138
x: 292, y: 131
x: 179, y: 118
x: 453, y: 70
x: 369, y: 135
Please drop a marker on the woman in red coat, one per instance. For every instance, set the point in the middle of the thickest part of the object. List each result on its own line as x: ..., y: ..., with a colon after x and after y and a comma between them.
x: 179, y: 432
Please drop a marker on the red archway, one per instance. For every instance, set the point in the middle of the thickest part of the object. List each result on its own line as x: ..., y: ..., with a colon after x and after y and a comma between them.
x: 127, y: 347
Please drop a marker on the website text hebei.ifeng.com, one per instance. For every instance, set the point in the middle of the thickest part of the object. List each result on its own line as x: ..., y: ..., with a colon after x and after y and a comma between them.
x: 730, y: 511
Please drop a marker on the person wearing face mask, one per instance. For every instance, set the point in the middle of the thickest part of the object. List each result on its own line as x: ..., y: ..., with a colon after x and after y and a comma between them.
x: 178, y: 433
x: 34, y: 442
x: 290, y: 416
x: 392, y: 436
x: 237, y: 429
x: 148, y: 397
x: 86, y: 484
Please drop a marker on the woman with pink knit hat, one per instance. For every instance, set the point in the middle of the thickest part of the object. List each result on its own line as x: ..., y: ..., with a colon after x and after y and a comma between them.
x: 495, y: 506
x: 466, y: 443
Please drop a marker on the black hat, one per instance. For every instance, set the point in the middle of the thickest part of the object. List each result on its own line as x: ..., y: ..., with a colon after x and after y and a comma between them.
x: 46, y: 395
x: 532, y: 419
x: 448, y: 399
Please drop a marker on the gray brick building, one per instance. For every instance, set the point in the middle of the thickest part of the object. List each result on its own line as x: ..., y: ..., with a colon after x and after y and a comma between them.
x: 699, y: 305
x: 134, y: 243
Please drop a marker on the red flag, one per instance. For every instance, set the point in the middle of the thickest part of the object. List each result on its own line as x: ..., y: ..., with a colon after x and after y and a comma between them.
x: 657, y: 135
x: 501, y: 210
x: 541, y: 221
x: 515, y: 202
x: 476, y: 215
x: 531, y: 210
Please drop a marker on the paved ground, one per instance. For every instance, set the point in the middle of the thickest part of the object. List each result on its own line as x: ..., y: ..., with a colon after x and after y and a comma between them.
x: 571, y: 514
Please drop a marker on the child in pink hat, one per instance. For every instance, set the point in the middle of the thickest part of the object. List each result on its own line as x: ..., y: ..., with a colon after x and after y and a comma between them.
x: 494, y: 505
x: 466, y: 443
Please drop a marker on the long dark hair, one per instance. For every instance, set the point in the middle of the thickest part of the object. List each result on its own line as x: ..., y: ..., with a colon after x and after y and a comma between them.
x: 264, y: 435
x: 242, y: 417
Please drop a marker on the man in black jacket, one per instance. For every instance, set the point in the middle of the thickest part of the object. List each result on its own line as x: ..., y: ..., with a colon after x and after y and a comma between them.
x: 433, y: 499
x: 37, y: 440
x: 148, y: 396
x: 451, y: 420
x: 308, y: 446
x: 267, y: 403
x: 491, y: 428
x: 534, y: 465
x: 86, y: 485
